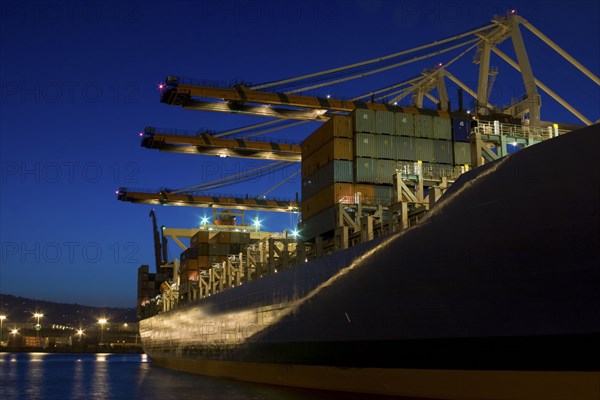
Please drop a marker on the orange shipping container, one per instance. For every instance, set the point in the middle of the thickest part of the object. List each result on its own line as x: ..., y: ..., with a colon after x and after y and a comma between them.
x: 335, y: 149
x: 338, y: 126
x: 336, y: 193
x: 367, y: 193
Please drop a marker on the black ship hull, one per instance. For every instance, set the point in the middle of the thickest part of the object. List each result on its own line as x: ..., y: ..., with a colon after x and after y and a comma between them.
x: 495, y: 295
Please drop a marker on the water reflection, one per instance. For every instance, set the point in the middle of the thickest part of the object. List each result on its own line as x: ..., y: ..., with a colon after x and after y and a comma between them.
x: 129, y: 377
x: 35, y: 375
x: 101, y: 386
x: 78, y: 379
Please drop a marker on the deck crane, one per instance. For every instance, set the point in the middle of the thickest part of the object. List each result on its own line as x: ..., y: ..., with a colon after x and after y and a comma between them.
x: 254, y: 100
x: 142, y: 196
x: 205, y: 143
x: 282, y: 99
x: 160, y: 246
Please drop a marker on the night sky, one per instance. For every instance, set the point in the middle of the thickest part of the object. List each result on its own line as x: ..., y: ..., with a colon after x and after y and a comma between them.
x: 79, y: 81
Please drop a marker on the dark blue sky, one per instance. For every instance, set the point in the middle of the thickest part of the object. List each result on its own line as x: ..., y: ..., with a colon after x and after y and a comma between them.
x: 78, y: 82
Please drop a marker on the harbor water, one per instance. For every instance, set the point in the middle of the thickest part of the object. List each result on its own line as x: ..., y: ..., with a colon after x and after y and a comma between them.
x: 55, y: 376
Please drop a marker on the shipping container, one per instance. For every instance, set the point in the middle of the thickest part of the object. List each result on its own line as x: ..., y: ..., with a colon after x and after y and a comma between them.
x: 385, y: 147
x: 199, y: 237
x: 331, y: 195
x: 338, y: 126
x: 336, y: 171
x: 319, y: 224
x: 335, y: 149
x: 384, y: 194
x: 461, y: 128
x: 364, y: 193
x: 462, y: 153
x: 385, y: 122
x: 442, y: 128
x: 385, y: 171
x: 423, y: 126
x: 443, y: 152
x: 365, y: 145
x: 202, y: 249
x: 366, y: 170
x: 405, y: 124
x: 364, y: 120
x: 190, y: 264
x: 424, y: 150
x: 404, y: 148
x: 189, y: 254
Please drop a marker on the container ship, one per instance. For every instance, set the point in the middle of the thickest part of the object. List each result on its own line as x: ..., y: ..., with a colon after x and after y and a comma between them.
x: 431, y: 262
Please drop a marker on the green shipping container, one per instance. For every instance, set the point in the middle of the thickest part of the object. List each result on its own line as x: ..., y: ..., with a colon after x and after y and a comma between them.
x: 462, y: 153
x: 424, y: 150
x: 405, y: 148
x: 364, y: 120
x: 385, y: 171
x: 366, y: 170
x: 365, y: 145
x: 423, y: 126
x: 405, y: 124
x: 443, y: 152
x: 385, y: 122
x: 442, y: 128
x: 385, y: 147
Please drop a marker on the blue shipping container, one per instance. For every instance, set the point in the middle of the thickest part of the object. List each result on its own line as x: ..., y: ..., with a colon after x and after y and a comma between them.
x: 461, y: 128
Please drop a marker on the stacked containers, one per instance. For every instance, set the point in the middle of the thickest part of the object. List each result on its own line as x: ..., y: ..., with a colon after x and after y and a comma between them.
x: 335, y: 171
x: 208, y: 248
x: 383, y: 142
x: 327, y: 156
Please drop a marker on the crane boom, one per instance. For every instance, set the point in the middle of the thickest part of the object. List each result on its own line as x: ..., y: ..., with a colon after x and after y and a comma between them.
x: 207, y: 144
x: 192, y: 200
x: 186, y: 94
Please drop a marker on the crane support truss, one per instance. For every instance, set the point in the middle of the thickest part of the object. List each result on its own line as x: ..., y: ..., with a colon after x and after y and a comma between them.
x: 210, y: 145
x: 199, y: 200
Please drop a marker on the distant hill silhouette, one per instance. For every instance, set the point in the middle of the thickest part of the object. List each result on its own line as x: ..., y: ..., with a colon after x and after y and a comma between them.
x: 21, y: 309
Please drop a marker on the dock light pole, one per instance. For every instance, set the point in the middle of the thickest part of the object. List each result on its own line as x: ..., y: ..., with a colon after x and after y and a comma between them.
x: 38, y: 327
x: 102, y: 322
x: 2, y: 318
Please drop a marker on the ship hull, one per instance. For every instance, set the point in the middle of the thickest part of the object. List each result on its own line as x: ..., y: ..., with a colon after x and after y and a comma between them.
x: 494, y: 296
x: 406, y: 382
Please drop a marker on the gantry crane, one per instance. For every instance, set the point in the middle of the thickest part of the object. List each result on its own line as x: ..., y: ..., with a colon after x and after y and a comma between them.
x: 280, y: 99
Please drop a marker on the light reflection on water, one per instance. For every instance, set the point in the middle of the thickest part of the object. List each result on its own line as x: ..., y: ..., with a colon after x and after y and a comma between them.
x: 46, y: 376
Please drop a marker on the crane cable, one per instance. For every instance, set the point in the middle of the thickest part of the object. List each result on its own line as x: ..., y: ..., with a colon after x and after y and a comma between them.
x: 371, y: 61
x: 279, y: 184
x: 244, y: 179
x: 429, y: 75
x: 375, y: 71
x: 230, y: 177
x: 289, y: 125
